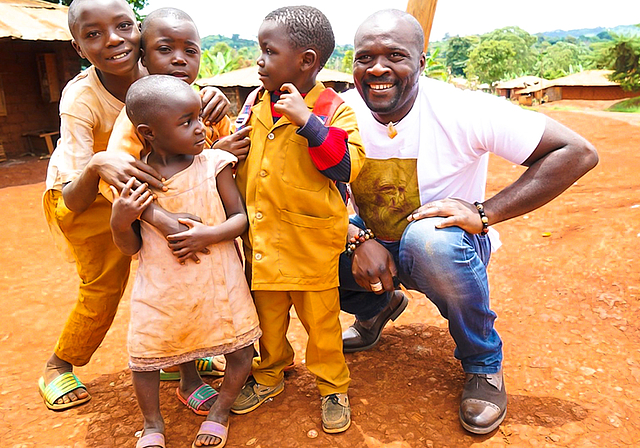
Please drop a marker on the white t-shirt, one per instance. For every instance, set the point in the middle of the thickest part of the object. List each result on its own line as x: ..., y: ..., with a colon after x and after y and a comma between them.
x: 440, y: 151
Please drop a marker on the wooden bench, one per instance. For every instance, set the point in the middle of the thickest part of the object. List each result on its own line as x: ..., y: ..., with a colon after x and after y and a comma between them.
x: 46, y: 135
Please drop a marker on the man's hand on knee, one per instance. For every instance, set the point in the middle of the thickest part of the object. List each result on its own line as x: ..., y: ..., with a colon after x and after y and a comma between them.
x: 455, y: 212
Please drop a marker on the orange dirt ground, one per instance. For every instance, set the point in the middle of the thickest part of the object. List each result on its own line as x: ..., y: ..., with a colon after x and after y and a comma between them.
x: 565, y: 285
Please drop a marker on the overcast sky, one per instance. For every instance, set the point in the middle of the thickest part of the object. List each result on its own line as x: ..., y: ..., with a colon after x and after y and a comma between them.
x: 456, y: 17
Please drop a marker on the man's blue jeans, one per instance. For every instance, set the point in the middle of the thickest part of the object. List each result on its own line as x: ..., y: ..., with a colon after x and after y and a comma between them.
x: 449, y: 267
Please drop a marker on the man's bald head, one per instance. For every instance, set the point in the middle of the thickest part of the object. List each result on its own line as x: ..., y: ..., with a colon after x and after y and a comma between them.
x: 381, y: 22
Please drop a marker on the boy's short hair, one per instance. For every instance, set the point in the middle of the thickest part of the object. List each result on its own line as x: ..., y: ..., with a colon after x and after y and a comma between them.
x: 163, y: 13
x: 151, y: 94
x: 307, y: 27
x: 72, y: 13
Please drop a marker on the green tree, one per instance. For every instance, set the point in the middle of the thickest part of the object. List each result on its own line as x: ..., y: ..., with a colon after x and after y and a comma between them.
x: 457, y: 53
x: 214, y: 63
x: 434, y: 68
x: 347, y: 62
x: 502, y: 54
x: 137, y: 5
x: 563, y: 58
x: 622, y: 55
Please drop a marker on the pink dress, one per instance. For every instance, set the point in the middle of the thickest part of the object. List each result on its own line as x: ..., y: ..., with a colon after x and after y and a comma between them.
x: 183, y: 312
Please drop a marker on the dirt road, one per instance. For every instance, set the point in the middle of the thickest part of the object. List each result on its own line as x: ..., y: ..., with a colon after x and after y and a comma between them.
x: 568, y: 314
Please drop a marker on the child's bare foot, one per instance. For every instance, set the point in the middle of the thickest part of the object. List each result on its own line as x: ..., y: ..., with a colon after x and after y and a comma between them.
x: 56, y: 367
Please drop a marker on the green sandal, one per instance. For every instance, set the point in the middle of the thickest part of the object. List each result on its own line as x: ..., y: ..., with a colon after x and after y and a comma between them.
x: 59, y: 387
x: 206, y: 367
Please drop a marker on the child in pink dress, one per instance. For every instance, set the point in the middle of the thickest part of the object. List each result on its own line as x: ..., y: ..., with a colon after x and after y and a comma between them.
x: 184, y: 311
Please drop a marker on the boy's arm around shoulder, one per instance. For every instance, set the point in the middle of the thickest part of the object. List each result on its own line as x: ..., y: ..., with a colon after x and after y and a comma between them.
x: 125, y: 140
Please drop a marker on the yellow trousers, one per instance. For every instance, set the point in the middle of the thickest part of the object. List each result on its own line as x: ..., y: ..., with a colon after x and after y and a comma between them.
x: 319, y: 313
x: 103, y: 272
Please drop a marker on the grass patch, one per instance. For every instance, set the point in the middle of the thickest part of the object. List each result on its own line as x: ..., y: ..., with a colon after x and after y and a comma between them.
x: 632, y: 105
x: 554, y: 107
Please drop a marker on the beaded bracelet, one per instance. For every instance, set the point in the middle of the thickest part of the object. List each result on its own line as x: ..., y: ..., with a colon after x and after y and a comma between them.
x: 355, y: 241
x: 483, y: 218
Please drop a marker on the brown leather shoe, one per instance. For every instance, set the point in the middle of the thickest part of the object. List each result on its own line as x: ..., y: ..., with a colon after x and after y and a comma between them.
x: 484, y: 402
x: 357, y: 338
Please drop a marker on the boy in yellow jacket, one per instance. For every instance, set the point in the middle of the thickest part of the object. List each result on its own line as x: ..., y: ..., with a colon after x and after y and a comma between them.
x: 297, y: 216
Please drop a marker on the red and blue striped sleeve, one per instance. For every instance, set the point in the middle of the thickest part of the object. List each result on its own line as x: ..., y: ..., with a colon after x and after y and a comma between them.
x: 328, y: 149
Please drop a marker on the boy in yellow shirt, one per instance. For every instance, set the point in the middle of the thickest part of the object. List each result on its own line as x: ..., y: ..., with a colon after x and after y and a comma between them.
x: 297, y: 216
x: 106, y: 33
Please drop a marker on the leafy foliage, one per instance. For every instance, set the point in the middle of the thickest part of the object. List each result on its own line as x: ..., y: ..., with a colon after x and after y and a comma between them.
x: 510, y: 52
x: 457, y: 53
x: 434, y: 68
x: 347, y: 62
x: 341, y: 59
x: 502, y: 54
x: 221, y: 58
x: 137, y: 5
x: 563, y: 58
x: 622, y: 56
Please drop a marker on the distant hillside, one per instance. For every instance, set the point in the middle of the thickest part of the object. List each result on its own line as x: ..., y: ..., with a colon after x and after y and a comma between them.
x: 234, y: 41
x: 633, y: 30
x: 336, y: 61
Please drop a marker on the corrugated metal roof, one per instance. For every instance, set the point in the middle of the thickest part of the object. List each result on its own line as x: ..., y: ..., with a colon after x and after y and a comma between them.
x: 33, y: 20
x: 248, y: 77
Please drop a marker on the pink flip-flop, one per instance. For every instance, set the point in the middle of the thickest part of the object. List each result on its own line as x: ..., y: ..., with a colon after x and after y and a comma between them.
x: 197, y: 398
x: 155, y: 439
x: 213, y: 429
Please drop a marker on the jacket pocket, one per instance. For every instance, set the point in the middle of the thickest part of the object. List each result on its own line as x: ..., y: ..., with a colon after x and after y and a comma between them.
x: 309, y: 246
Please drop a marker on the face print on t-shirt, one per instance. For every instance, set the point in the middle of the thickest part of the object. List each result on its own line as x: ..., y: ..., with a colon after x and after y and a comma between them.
x: 386, y: 192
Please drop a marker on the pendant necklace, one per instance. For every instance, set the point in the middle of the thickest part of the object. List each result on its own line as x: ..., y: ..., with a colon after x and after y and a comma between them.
x: 391, y: 130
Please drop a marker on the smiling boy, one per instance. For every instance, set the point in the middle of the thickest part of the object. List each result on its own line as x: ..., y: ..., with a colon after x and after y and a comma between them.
x: 106, y: 33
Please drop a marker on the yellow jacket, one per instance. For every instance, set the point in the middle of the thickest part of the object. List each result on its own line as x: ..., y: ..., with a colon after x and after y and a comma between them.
x: 297, y: 219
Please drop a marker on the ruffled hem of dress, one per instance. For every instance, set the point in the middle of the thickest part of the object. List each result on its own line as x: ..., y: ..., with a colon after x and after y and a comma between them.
x: 153, y: 364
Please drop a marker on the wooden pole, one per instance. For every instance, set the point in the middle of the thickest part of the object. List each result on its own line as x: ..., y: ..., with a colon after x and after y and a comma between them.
x: 423, y: 10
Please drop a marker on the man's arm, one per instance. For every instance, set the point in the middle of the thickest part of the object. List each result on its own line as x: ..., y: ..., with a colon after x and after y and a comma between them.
x: 560, y: 159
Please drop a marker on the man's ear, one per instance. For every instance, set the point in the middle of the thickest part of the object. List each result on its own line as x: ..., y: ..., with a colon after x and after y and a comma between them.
x: 76, y: 47
x: 146, y: 132
x: 142, y: 53
x: 309, y: 59
x: 423, y: 61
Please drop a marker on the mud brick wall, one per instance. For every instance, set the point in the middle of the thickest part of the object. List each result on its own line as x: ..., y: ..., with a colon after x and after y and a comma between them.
x: 26, y: 109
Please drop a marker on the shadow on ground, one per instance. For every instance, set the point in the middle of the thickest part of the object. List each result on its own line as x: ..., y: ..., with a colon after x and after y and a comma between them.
x: 404, y: 393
